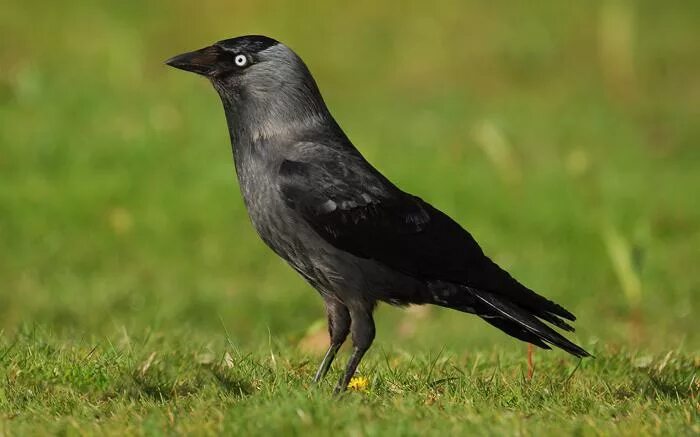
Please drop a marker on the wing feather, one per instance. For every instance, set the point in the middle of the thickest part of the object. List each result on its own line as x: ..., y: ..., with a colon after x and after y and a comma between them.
x: 356, y: 209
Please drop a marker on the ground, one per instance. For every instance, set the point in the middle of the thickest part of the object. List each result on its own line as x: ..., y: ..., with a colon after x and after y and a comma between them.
x: 136, y: 298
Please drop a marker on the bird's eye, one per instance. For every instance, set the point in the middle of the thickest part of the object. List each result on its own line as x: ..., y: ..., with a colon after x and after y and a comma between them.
x: 240, y: 60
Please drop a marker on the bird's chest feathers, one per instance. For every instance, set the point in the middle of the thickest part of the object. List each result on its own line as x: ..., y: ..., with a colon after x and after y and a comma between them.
x: 281, y: 228
x: 258, y: 191
x: 262, y: 200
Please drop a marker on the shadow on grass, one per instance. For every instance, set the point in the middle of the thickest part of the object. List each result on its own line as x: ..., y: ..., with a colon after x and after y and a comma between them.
x: 157, y: 388
x: 664, y: 386
x: 162, y: 386
x: 230, y: 383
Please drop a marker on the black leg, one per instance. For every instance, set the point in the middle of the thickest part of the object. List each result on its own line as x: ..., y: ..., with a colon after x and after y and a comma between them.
x: 362, y: 338
x: 338, y: 328
x: 326, y: 363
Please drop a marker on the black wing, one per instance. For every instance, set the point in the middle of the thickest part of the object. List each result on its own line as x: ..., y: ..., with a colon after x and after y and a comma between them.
x: 357, y: 210
x: 353, y: 207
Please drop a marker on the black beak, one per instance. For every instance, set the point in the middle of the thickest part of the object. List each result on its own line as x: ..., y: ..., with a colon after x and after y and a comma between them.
x: 203, y: 61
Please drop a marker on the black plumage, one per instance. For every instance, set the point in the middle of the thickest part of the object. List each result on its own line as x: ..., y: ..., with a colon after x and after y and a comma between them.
x: 354, y: 236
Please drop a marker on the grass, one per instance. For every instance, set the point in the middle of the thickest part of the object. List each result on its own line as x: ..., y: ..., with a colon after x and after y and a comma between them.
x: 136, y: 298
x: 167, y: 383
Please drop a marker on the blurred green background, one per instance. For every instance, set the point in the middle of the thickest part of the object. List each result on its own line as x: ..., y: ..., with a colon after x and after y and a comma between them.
x: 564, y: 135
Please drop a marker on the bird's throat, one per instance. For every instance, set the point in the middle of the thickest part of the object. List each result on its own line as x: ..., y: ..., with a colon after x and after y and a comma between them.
x: 257, y: 124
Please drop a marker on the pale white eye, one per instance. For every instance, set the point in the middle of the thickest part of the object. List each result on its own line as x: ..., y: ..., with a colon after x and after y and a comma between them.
x: 240, y: 60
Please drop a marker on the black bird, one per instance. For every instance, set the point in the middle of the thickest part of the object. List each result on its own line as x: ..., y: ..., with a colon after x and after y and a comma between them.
x: 351, y: 233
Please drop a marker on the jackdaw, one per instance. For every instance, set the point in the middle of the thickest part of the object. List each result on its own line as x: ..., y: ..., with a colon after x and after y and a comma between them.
x: 350, y: 232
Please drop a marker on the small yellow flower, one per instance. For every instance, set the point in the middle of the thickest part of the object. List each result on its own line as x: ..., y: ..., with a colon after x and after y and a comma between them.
x: 359, y: 383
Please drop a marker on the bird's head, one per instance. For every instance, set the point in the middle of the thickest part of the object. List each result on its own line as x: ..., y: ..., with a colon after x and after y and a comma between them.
x: 232, y: 59
x: 265, y: 87
x: 249, y: 67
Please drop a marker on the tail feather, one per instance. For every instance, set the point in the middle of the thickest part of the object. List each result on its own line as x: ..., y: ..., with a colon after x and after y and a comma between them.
x: 554, y: 320
x: 519, y: 320
x: 515, y: 330
x: 524, y: 297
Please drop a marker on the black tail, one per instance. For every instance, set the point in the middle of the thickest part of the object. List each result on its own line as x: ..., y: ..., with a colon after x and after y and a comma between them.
x: 521, y: 323
x: 513, y: 291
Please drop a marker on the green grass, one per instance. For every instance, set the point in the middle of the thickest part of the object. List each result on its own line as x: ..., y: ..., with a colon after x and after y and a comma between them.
x: 162, y: 383
x: 135, y: 297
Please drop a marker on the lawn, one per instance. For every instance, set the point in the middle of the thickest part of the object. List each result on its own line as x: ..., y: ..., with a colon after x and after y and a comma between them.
x: 136, y: 298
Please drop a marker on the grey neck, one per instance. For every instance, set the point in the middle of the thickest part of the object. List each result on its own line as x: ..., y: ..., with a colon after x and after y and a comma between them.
x: 259, y: 121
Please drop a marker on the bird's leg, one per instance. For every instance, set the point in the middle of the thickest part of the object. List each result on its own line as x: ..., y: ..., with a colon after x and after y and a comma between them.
x: 530, y: 366
x: 362, y: 338
x: 327, y: 361
x: 338, y: 328
x: 355, y: 359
